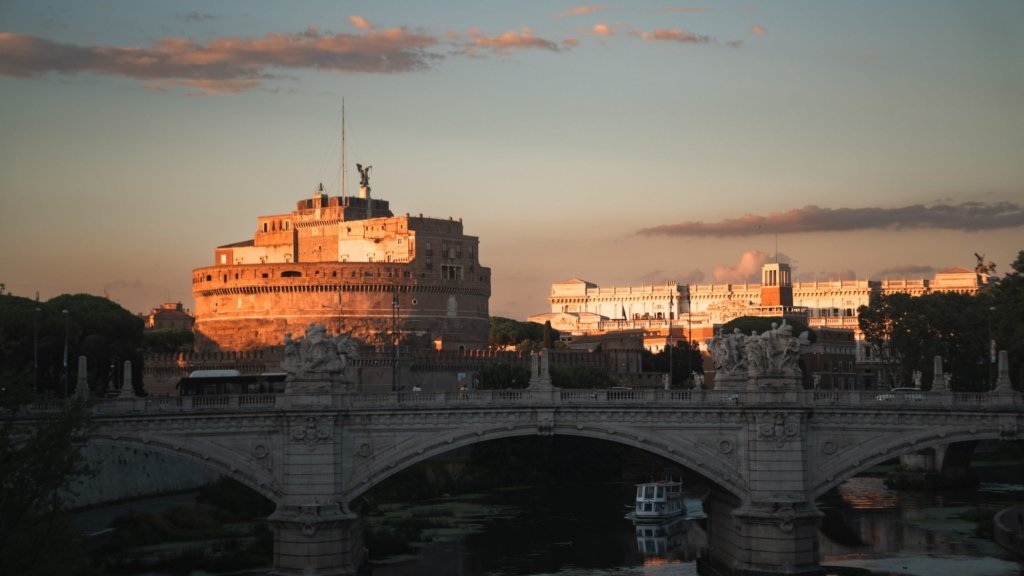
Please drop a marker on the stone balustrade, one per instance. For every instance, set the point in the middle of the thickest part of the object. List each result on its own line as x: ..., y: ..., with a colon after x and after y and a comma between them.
x: 867, y: 399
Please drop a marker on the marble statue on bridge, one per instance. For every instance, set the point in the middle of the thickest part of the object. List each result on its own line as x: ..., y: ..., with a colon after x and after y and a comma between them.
x: 319, y: 363
x: 757, y: 360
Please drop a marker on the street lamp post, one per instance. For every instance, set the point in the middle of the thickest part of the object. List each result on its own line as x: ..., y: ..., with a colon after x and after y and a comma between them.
x: 689, y: 333
x: 67, y: 319
x: 394, y: 337
x: 35, y: 349
x: 671, y: 303
x: 991, y: 350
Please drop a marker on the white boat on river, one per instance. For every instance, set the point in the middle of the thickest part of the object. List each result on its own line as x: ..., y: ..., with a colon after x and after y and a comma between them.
x: 663, y: 499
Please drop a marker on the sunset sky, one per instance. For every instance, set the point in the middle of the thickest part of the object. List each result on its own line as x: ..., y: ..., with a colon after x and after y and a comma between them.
x: 622, y: 142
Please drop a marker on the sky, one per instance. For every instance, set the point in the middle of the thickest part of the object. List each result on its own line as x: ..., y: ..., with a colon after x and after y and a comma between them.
x: 622, y: 143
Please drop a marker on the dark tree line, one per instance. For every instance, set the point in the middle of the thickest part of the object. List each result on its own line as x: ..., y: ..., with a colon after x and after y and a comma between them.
x: 37, y: 337
x: 525, y: 336
x: 682, y: 359
x: 906, y: 333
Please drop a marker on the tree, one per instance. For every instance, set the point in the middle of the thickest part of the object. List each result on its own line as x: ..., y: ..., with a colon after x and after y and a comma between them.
x: 502, y: 376
x: 36, y: 465
x: 525, y: 336
x: 579, y: 376
x: 168, y: 341
x: 1006, y: 312
x: 103, y: 331
x: 686, y: 358
x: 907, y: 332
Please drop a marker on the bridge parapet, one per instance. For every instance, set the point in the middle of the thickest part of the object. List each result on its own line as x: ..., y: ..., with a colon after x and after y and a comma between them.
x: 873, y: 400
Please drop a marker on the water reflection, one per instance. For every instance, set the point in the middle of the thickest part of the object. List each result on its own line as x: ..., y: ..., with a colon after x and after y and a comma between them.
x: 675, y: 540
x: 580, y: 530
x: 888, y: 532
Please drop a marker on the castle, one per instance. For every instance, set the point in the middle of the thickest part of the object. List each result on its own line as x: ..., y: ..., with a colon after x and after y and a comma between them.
x: 350, y: 264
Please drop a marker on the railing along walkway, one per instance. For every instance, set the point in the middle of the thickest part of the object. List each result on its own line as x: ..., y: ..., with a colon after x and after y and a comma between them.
x: 688, y: 399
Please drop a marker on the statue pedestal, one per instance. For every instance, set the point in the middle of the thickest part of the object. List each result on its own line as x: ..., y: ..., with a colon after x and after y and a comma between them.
x: 730, y: 382
x: 773, y: 384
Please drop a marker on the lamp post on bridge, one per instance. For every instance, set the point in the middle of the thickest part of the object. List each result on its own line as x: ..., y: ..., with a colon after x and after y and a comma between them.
x: 35, y: 349
x: 394, y: 337
x: 671, y: 304
x: 689, y: 336
x: 67, y: 320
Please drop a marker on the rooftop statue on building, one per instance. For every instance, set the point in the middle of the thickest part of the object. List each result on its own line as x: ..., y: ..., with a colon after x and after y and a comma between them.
x: 318, y: 362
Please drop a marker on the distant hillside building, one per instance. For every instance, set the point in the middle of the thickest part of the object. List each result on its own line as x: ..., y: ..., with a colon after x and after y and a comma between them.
x: 170, y: 316
x: 351, y: 264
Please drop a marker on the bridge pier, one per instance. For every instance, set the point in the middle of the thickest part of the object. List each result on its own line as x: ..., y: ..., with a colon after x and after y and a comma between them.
x: 764, y: 539
x: 314, y: 540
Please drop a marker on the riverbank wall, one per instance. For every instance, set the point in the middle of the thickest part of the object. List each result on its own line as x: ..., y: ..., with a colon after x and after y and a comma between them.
x: 1008, y: 529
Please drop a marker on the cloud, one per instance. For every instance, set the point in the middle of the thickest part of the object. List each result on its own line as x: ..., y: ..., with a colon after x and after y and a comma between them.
x: 827, y: 275
x: 602, y: 29
x: 506, y: 42
x: 905, y: 270
x: 757, y: 29
x: 694, y: 276
x: 227, y: 64
x: 966, y: 216
x: 197, y: 17
x: 359, y: 22
x: 748, y: 269
x: 684, y: 9
x: 580, y: 11
x: 673, y: 35
x: 571, y: 42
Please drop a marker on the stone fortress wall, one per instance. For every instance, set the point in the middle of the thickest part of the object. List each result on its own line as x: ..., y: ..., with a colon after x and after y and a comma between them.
x: 348, y: 264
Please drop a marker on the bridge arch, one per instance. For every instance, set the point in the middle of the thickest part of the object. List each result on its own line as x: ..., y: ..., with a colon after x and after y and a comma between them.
x: 204, y: 454
x: 686, y: 452
x: 866, y: 455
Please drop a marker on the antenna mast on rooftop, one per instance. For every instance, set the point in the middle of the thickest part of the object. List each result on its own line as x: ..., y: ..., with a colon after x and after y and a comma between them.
x: 342, y: 147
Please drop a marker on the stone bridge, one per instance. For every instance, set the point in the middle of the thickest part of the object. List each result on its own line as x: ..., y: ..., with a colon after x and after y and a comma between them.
x: 768, y: 454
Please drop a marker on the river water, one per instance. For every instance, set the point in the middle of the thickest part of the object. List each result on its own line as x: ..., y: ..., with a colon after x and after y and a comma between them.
x: 581, y: 530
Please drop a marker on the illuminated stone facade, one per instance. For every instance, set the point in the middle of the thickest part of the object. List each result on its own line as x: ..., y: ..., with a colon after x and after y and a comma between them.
x: 350, y: 264
x: 581, y: 307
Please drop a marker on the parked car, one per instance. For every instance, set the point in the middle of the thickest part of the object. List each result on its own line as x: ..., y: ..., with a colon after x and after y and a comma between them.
x: 901, y: 395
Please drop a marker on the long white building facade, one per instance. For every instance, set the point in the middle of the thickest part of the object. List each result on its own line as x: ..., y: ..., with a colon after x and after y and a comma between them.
x: 579, y: 307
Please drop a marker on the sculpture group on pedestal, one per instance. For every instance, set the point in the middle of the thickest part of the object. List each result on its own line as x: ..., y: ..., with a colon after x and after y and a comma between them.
x: 773, y: 354
x: 318, y: 360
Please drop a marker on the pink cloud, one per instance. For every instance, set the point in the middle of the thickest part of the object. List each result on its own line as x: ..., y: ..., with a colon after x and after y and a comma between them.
x: 226, y: 64
x: 757, y: 29
x: 503, y: 43
x: 580, y: 11
x: 674, y: 35
x: 360, y: 22
x: 748, y: 269
x: 968, y: 216
x: 602, y: 30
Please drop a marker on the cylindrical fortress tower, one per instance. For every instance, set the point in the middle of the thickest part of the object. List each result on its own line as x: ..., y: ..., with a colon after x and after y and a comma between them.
x: 327, y: 263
